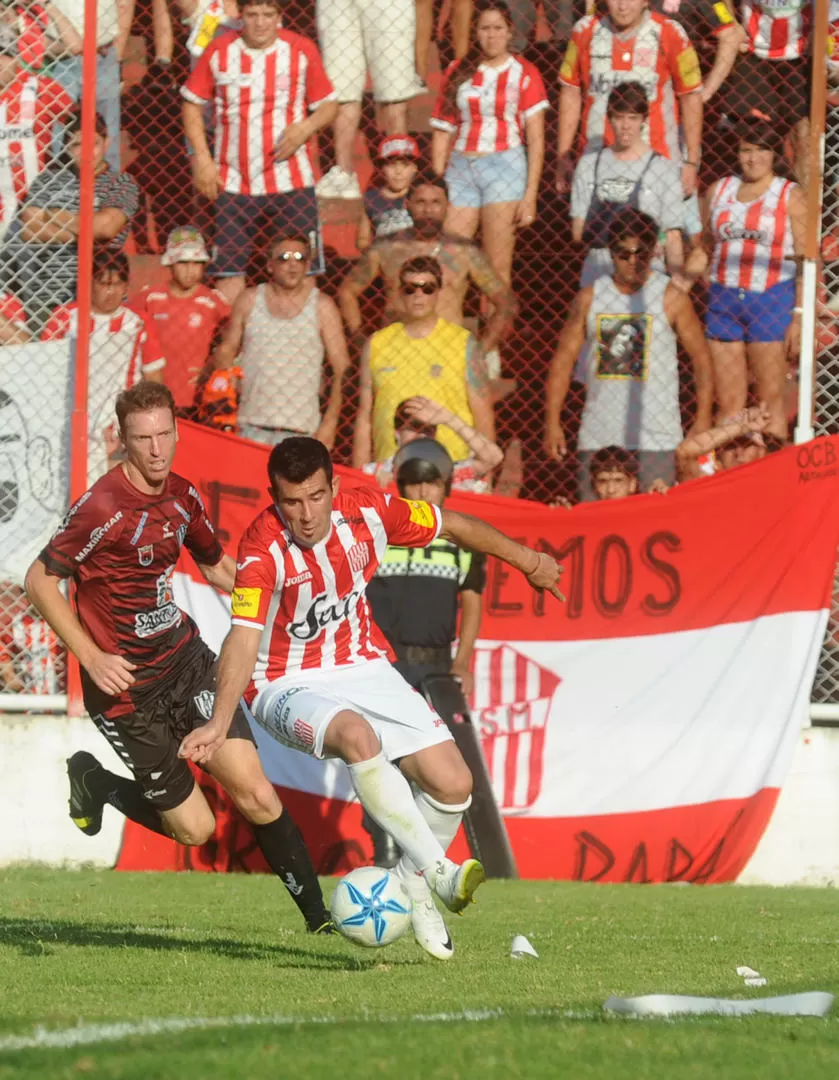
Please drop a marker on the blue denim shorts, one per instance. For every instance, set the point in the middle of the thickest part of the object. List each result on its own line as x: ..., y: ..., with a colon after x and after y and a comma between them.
x: 494, y: 178
x: 739, y: 315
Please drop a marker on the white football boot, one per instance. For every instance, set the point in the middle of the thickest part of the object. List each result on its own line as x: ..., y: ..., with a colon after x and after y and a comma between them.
x: 456, y: 884
x: 430, y: 928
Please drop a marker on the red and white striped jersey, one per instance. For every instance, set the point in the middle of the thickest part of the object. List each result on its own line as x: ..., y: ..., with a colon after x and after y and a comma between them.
x: 124, y: 326
x: 493, y: 106
x: 30, y: 646
x: 311, y: 603
x: 12, y: 309
x: 257, y: 94
x: 753, y: 244
x: 659, y: 55
x: 778, y: 29
x: 29, y: 106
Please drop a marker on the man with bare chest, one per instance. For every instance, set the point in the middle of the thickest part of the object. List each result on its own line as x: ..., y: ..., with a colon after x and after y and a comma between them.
x: 284, y: 330
x: 461, y: 260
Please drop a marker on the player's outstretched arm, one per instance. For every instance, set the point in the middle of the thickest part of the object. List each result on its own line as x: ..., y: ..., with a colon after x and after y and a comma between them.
x: 222, y: 575
x: 110, y: 672
x: 235, y: 667
x: 540, y: 569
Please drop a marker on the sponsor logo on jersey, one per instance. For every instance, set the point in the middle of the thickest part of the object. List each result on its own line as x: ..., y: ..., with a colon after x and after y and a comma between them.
x: 246, y: 562
x: 138, y: 532
x: 96, y: 535
x: 245, y: 603
x: 729, y: 231
x: 184, y: 514
x: 298, y: 579
x: 320, y: 615
x: 204, y: 703
x: 146, y: 554
x: 181, y: 535
x: 149, y: 623
x: 358, y: 556
x: 421, y: 513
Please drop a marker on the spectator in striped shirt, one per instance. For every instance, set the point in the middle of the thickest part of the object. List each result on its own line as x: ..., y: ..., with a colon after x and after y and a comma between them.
x: 123, y: 350
x: 754, y: 229
x: 489, y: 138
x: 772, y: 79
x: 13, y: 329
x: 262, y: 81
x: 31, y: 104
x: 47, y: 261
x: 631, y: 43
x: 31, y: 656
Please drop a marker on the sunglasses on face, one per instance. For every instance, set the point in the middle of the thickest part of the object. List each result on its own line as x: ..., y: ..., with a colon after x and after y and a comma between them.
x: 290, y: 256
x: 408, y: 288
x: 626, y: 254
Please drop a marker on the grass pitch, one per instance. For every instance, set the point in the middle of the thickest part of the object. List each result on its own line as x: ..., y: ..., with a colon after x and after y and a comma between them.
x: 182, y: 976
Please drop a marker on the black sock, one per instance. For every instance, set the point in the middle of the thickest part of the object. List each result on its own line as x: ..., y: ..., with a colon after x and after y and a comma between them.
x: 286, y: 854
x: 126, y: 796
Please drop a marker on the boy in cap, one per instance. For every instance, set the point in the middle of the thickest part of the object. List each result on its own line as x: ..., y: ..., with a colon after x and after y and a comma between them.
x: 186, y: 313
x: 384, y: 206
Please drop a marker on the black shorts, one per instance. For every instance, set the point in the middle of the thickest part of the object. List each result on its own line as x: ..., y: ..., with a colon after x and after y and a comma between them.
x: 147, y: 735
x: 246, y: 221
x: 776, y: 89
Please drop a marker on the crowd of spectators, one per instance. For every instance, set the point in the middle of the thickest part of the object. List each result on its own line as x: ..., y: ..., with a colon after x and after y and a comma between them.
x: 576, y: 259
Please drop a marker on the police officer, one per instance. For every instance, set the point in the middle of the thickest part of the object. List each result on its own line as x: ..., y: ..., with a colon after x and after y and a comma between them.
x: 416, y: 594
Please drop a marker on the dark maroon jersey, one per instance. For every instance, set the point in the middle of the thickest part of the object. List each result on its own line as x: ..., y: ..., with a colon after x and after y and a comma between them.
x: 121, y: 545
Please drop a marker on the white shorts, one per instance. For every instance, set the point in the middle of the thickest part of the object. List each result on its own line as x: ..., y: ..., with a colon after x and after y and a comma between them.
x: 297, y: 709
x: 356, y: 35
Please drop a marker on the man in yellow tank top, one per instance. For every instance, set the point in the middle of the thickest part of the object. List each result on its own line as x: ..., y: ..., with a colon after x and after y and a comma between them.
x: 422, y: 355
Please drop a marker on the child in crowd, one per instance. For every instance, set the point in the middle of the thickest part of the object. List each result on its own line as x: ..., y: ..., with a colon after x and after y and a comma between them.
x: 384, y: 207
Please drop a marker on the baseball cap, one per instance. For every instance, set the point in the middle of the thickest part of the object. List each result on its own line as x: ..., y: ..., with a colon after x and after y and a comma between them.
x: 398, y: 146
x: 421, y: 460
x: 185, y: 244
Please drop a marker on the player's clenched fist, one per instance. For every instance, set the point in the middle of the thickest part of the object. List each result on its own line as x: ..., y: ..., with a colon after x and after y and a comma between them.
x: 201, y: 743
x: 546, y: 574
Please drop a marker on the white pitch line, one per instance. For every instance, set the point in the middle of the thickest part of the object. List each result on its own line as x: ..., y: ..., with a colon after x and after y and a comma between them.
x: 90, y: 1034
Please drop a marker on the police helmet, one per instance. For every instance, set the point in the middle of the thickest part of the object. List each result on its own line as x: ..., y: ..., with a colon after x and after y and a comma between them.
x: 421, y: 460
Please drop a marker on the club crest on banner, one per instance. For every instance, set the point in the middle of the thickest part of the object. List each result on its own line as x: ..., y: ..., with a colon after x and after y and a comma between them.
x: 510, y: 707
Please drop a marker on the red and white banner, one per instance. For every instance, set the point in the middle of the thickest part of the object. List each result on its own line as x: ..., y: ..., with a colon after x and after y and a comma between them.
x: 639, y: 732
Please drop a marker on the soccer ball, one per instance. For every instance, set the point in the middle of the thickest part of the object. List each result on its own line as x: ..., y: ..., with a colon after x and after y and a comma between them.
x: 371, y: 906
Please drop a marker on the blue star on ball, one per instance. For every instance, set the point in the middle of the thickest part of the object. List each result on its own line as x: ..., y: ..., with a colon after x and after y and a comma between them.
x: 372, y: 907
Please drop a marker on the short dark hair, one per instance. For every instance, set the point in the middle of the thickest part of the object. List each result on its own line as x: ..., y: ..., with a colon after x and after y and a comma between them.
x: 422, y: 264
x: 143, y: 397
x: 291, y: 238
x: 110, y: 262
x: 253, y: 3
x: 760, y: 132
x: 632, y: 222
x: 613, y: 459
x: 73, y: 124
x: 425, y: 178
x: 628, y: 97
x: 297, y: 458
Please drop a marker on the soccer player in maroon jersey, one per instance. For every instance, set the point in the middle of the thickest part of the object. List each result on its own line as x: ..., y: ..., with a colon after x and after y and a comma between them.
x: 315, y: 668
x: 147, y: 677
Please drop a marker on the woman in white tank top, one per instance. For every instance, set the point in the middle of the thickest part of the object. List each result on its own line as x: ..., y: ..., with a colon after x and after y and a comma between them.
x: 754, y: 230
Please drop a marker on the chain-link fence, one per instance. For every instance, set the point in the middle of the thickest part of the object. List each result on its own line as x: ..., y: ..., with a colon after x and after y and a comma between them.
x: 572, y: 254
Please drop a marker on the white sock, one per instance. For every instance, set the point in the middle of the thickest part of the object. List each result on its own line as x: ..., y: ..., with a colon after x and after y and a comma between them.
x: 444, y: 820
x: 387, y: 797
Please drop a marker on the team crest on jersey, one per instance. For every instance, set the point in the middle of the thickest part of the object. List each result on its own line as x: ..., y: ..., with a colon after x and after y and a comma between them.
x: 146, y: 554
x: 359, y: 556
x: 204, y: 703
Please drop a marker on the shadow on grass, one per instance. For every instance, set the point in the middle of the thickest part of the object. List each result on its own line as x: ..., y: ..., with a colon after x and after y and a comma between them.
x: 36, y: 937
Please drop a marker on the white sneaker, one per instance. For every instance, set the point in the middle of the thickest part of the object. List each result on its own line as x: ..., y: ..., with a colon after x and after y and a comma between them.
x: 430, y: 928
x: 337, y: 184
x: 456, y: 885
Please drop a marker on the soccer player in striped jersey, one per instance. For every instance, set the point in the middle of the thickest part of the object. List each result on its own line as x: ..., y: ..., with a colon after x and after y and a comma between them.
x: 314, y: 667
x: 147, y: 677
